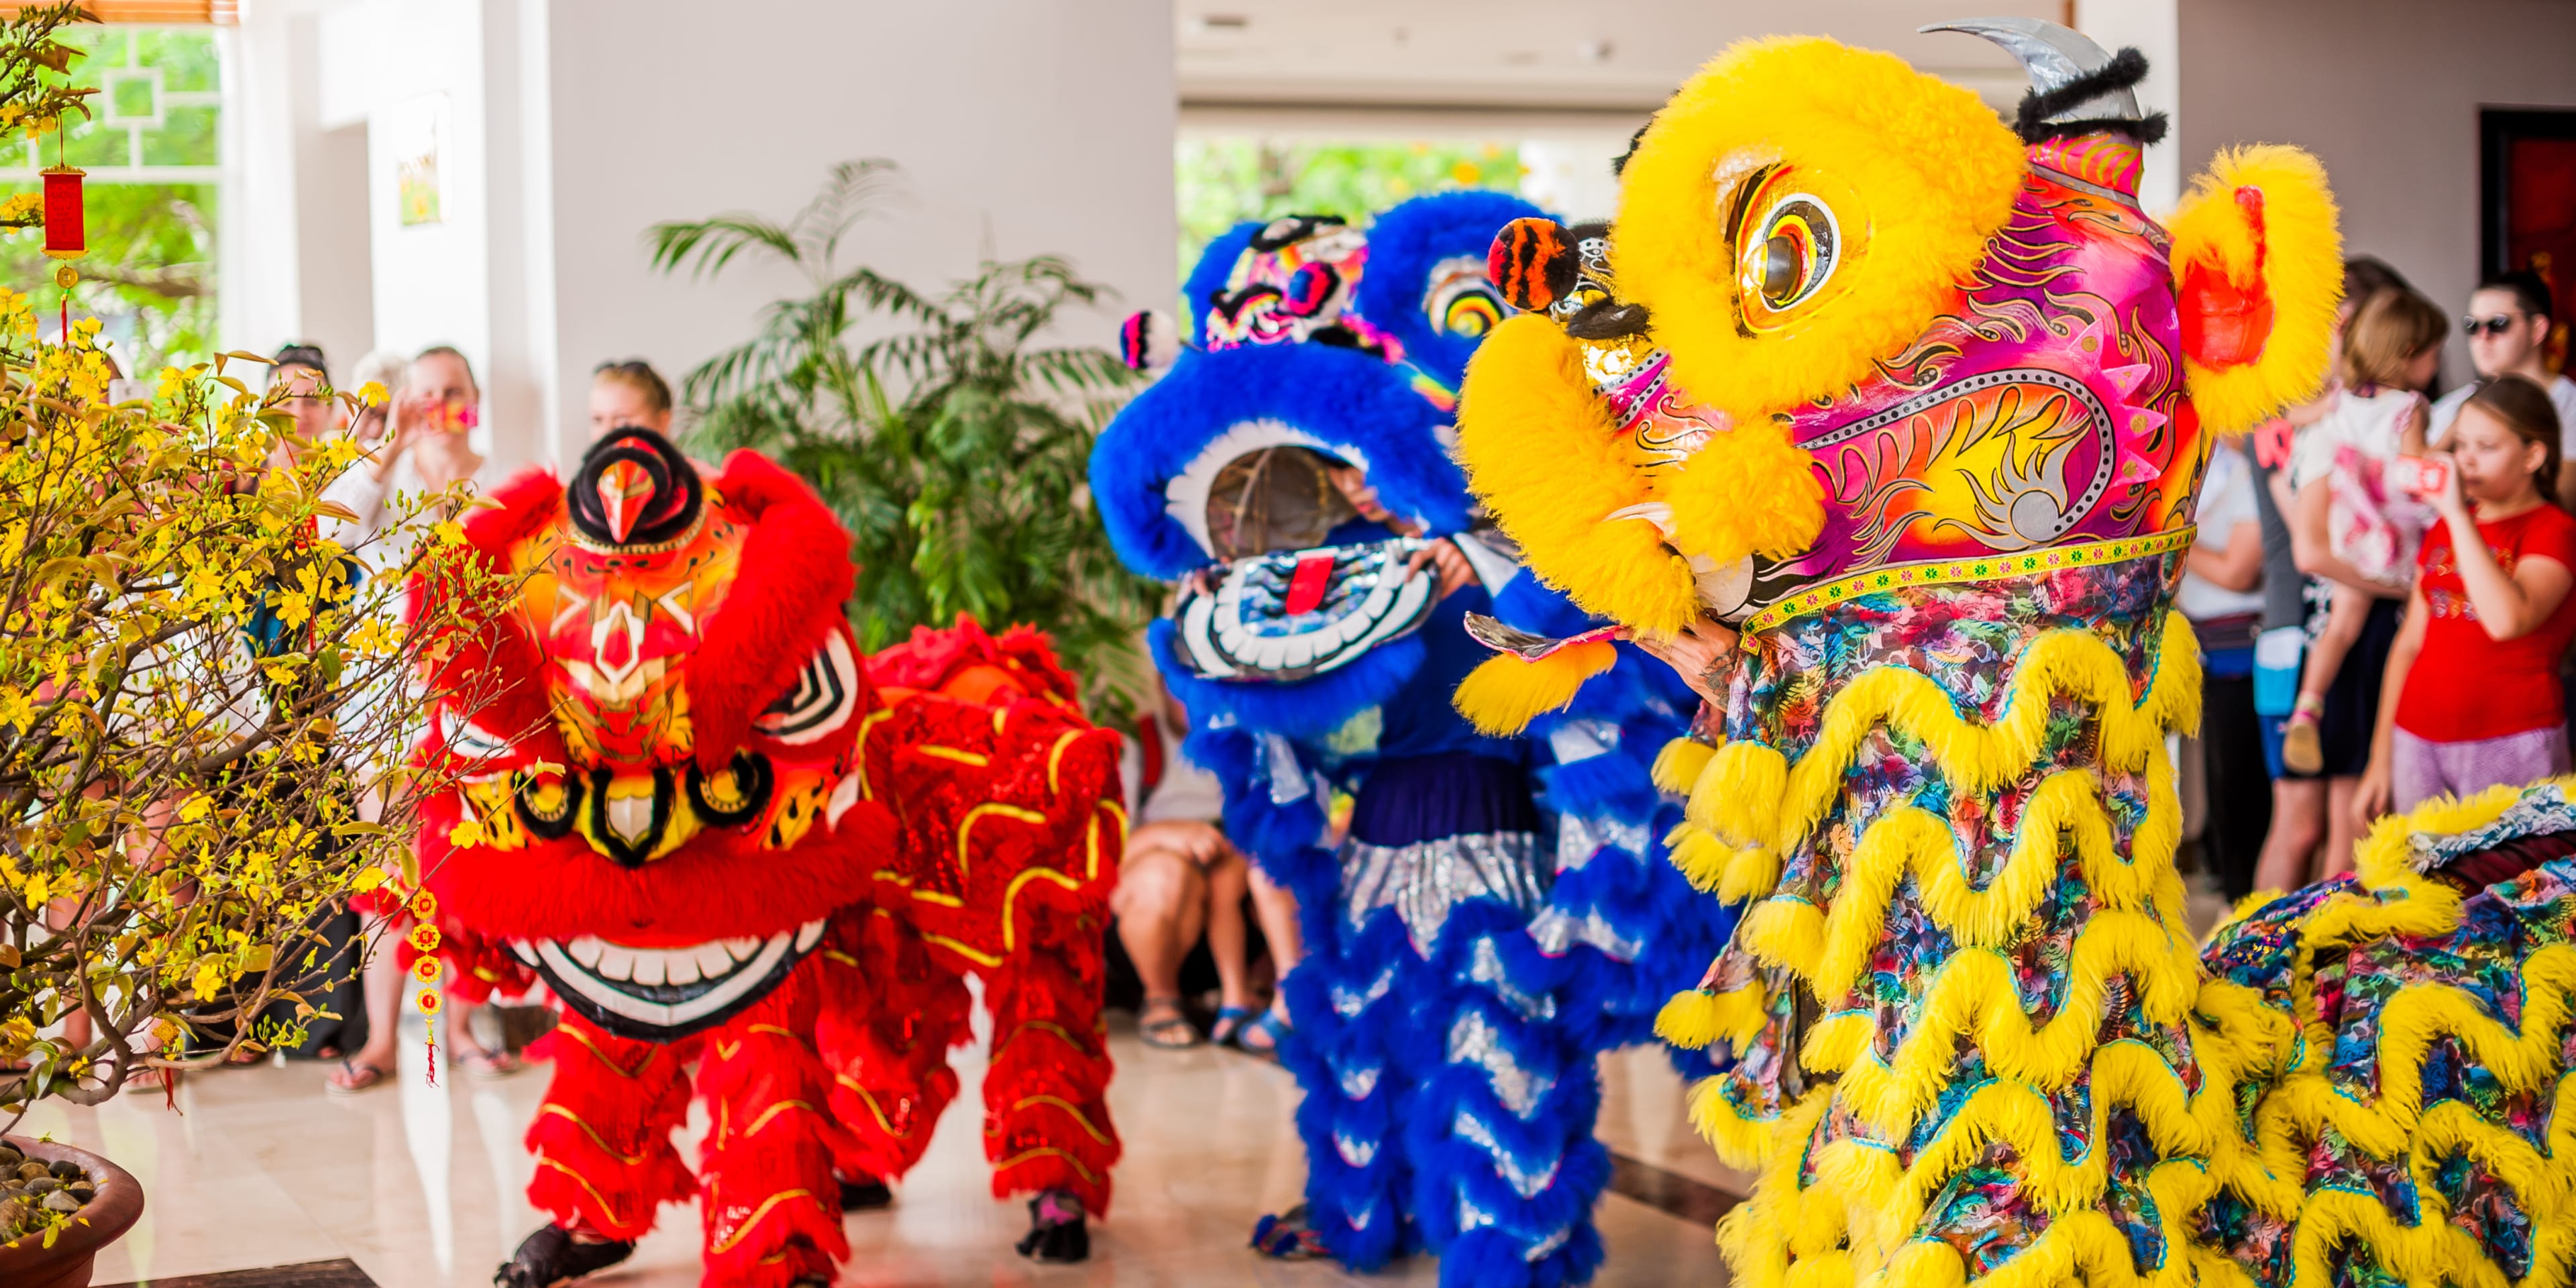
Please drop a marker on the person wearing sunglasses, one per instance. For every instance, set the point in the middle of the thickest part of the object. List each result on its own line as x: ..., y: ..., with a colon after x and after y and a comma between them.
x: 2508, y: 324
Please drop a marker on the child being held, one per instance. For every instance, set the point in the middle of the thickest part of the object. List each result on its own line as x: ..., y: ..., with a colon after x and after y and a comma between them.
x: 2372, y: 526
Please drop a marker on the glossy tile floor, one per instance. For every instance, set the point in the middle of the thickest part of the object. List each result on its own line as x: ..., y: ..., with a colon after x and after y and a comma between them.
x: 421, y: 1186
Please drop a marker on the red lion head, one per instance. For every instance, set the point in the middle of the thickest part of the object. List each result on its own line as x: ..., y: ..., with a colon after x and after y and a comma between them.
x: 657, y: 807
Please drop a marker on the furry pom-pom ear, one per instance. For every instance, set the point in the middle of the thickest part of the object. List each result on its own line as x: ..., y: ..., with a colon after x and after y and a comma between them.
x: 1678, y: 765
x: 1148, y: 341
x: 2258, y: 270
x: 1532, y: 263
x: 1542, y: 452
x: 1503, y: 694
x: 1748, y: 491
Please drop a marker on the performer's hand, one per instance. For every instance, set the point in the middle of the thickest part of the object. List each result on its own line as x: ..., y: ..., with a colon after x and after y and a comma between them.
x: 1703, y: 655
x: 1456, y: 574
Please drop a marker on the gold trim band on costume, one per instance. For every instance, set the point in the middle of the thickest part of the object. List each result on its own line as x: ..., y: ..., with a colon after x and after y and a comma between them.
x: 1818, y: 596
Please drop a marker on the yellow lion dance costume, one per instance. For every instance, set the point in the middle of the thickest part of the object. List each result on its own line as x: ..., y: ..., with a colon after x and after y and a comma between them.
x: 1918, y: 402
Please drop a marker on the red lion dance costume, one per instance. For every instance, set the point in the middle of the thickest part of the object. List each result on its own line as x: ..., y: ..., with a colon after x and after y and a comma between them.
x: 754, y: 866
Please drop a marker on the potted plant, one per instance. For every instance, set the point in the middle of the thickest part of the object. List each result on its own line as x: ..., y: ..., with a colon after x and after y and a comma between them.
x: 955, y: 448
x: 198, y: 687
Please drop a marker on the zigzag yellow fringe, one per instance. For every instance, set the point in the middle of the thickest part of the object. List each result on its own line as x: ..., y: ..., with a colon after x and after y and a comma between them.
x: 1694, y: 1019
x: 2067, y: 804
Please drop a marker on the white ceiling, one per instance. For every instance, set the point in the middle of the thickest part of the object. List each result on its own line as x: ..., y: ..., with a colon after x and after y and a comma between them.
x: 1561, y: 58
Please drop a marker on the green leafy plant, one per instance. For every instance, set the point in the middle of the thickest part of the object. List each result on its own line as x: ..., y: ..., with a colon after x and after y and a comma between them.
x: 951, y: 439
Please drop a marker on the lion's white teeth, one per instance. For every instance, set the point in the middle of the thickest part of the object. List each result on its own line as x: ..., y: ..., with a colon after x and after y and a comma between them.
x: 743, y: 950
x: 712, y: 962
x: 584, y: 950
x: 808, y: 935
x: 681, y: 965
x: 649, y: 966
x: 616, y: 962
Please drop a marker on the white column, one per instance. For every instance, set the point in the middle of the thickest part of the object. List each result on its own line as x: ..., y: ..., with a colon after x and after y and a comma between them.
x: 2155, y: 28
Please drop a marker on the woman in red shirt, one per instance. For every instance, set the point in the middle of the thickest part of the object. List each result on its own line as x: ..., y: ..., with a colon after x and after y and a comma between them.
x: 2472, y: 697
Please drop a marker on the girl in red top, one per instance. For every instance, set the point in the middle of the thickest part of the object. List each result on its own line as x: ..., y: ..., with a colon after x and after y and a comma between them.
x: 2472, y: 696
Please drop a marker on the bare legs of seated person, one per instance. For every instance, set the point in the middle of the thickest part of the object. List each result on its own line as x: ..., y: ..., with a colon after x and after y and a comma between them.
x: 1176, y: 881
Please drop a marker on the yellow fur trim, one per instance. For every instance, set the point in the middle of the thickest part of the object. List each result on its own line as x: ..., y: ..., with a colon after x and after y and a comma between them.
x: 2300, y: 254
x: 1695, y: 1019
x: 1702, y: 859
x: 1540, y: 447
x: 1748, y: 491
x: 1748, y: 794
x: 1919, y: 174
x: 2066, y: 807
x: 1678, y: 765
x: 1504, y: 693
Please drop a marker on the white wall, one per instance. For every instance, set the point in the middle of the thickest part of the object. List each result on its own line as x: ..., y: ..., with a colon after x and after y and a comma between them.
x: 1022, y: 127
x: 2386, y: 93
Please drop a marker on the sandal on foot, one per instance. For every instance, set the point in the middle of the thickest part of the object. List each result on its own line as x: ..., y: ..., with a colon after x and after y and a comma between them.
x: 1270, y: 1028
x: 2303, y: 748
x: 1170, y: 1033
x: 552, y: 1256
x: 1229, y: 1024
x: 489, y: 1066
x: 865, y: 1194
x: 1057, y: 1232
x: 1287, y: 1236
x: 354, y: 1076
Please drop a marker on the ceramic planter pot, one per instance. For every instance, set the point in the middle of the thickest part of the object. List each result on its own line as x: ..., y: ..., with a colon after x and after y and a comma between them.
x: 111, y: 1213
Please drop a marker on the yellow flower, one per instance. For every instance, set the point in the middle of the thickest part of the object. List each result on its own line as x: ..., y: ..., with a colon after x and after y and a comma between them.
x: 372, y: 393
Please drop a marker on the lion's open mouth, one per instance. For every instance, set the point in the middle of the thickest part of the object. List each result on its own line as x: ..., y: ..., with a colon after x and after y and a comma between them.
x: 657, y: 994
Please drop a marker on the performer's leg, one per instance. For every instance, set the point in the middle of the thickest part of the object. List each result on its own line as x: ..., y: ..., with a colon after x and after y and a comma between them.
x: 602, y: 1140
x: 1046, y: 1111
x: 890, y: 1012
x: 771, y: 1208
x: 1505, y: 1166
x: 1348, y: 996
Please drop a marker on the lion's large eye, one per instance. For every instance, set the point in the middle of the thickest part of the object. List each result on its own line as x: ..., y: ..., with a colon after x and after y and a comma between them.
x: 1461, y: 302
x: 825, y: 693
x: 1792, y: 253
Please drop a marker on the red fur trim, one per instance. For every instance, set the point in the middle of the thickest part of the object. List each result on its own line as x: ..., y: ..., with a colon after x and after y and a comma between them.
x: 771, y: 1207
x: 722, y: 884
x: 496, y: 661
x: 890, y: 1014
x: 1046, y: 1110
x: 603, y: 1136
x: 787, y: 599
x: 931, y: 660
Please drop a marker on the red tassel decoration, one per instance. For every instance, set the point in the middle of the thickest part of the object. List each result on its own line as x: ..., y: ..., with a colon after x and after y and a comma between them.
x: 66, y: 233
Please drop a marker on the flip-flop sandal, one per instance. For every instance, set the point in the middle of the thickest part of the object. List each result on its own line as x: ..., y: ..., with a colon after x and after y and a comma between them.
x: 354, y: 1078
x: 1269, y: 1026
x: 1287, y: 1237
x: 490, y: 1066
x: 1229, y: 1023
x: 1171, y: 1033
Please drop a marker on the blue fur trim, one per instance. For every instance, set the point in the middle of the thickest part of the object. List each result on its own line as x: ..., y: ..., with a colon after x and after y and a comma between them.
x: 1352, y: 403
x: 1284, y: 839
x: 1208, y: 278
x: 1405, y: 244
x: 1295, y: 709
x: 1532, y: 605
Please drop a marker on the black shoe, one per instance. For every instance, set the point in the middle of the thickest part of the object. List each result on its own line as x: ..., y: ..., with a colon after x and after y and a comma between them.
x: 1056, y: 1230
x: 865, y: 1194
x: 552, y: 1256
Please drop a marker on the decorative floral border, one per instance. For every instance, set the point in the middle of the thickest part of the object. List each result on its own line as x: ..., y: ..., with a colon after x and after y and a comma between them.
x: 1817, y: 596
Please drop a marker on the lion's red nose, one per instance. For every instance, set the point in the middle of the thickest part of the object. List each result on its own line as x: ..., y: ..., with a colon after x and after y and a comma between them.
x: 624, y: 491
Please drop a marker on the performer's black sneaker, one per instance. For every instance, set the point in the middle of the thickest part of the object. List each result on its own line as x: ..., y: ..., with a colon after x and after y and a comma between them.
x: 1056, y: 1229
x: 552, y: 1256
x: 864, y: 1194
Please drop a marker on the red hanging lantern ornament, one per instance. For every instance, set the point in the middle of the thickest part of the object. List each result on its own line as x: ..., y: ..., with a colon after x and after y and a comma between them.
x: 66, y: 232
x: 426, y: 968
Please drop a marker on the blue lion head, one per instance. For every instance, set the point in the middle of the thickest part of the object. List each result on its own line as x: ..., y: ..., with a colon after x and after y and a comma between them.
x: 1306, y: 345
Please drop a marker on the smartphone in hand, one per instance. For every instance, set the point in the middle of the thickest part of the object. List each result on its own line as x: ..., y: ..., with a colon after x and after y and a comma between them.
x: 2421, y: 477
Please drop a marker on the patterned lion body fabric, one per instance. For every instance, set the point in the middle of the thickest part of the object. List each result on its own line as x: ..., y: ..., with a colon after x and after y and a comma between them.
x: 1918, y: 401
x: 722, y: 837
x: 1496, y: 912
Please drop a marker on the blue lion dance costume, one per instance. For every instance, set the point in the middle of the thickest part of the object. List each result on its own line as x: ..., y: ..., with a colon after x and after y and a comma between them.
x: 1500, y: 910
